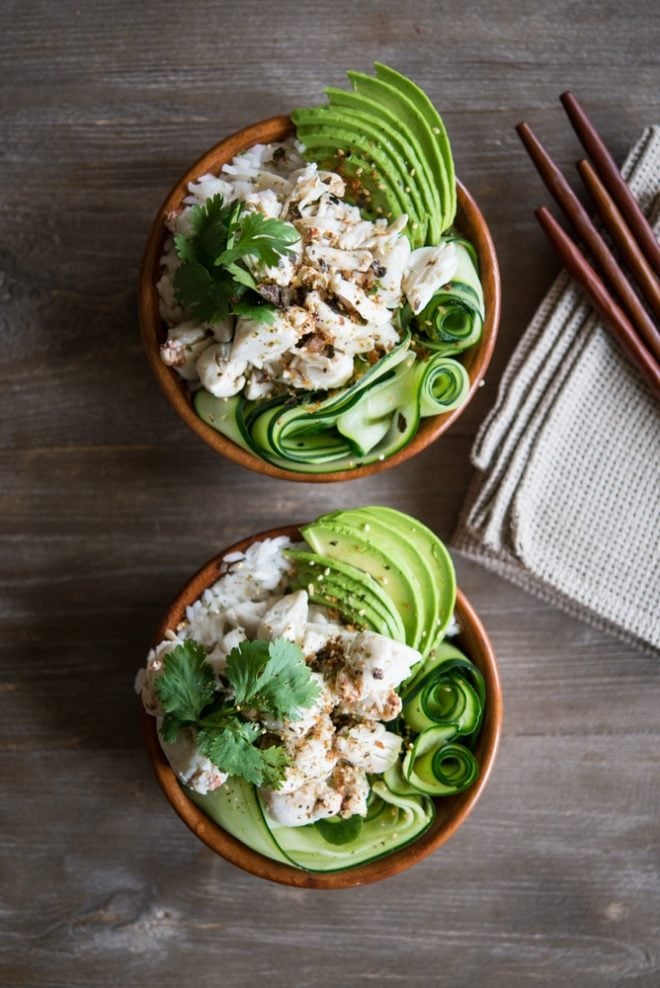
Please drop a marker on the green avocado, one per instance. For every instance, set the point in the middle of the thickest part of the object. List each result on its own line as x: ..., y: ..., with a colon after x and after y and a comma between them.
x: 440, y: 580
x: 344, y: 130
x: 408, y: 89
x: 381, y: 555
x: 397, y: 543
x: 351, y: 591
x: 405, y: 145
x: 397, y: 140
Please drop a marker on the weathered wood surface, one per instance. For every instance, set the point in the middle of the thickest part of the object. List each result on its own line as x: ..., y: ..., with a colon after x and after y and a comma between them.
x: 108, y: 504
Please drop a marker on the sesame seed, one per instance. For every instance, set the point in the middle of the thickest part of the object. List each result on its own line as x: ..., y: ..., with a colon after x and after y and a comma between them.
x: 436, y: 130
x: 310, y: 589
x: 412, y: 172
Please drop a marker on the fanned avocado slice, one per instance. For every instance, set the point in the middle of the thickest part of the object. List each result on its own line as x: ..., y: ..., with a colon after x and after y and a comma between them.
x: 343, y: 579
x: 362, y: 181
x: 417, y: 96
x: 329, y: 538
x: 420, y: 128
x: 322, y: 128
x: 397, y: 168
x: 353, y: 608
x: 437, y: 561
x: 415, y: 161
x: 395, y: 543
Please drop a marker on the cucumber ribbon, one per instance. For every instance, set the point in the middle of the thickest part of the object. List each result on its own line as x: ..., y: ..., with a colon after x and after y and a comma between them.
x: 453, y: 319
x: 444, y: 701
x: 370, y: 420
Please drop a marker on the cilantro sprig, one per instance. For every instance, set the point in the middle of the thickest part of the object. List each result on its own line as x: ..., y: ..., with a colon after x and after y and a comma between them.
x: 214, y: 279
x: 268, y: 679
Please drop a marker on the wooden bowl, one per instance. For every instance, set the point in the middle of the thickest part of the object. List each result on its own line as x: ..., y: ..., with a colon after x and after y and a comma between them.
x: 470, y: 222
x: 451, y: 811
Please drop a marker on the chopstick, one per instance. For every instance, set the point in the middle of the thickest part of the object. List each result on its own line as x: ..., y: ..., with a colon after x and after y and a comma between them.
x: 577, y: 215
x: 621, y: 235
x: 614, y: 316
x: 609, y: 173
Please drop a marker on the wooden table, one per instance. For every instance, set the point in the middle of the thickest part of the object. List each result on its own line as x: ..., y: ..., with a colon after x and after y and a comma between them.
x: 109, y: 503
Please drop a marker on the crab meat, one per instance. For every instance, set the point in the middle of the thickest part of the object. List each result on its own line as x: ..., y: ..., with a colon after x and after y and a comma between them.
x: 219, y: 373
x: 257, y: 343
x: 193, y: 769
x: 286, y: 618
x: 314, y: 801
x: 369, y: 746
x: 185, y: 344
x: 375, y: 665
x: 429, y: 268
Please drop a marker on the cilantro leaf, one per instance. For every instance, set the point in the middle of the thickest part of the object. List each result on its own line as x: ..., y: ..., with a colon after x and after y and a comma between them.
x: 269, y: 677
x: 210, y: 228
x: 275, y: 762
x: 209, y: 283
x: 232, y: 749
x: 259, y: 311
x: 185, y: 686
x: 261, y: 238
x: 272, y: 678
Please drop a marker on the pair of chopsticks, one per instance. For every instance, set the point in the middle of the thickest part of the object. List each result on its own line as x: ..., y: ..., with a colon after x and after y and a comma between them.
x: 631, y: 322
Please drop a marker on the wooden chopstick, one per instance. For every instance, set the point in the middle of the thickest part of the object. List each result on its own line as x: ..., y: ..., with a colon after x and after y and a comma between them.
x: 608, y: 171
x: 611, y: 312
x: 577, y: 215
x: 621, y: 235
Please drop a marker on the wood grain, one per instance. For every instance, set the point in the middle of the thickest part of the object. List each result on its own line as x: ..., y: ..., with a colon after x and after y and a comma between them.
x: 109, y: 504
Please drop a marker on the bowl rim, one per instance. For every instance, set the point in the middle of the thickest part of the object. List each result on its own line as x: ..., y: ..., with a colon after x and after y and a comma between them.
x: 239, y: 854
x: 175, y: 388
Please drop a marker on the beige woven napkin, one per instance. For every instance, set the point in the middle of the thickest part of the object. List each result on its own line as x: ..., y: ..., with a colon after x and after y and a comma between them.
x: 565, y: 503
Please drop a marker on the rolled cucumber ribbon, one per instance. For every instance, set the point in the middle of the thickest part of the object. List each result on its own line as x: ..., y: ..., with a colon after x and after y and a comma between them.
x: 441, y: 769
x: 443, y: 384
x: 453, y: 319
x: 448, y: 692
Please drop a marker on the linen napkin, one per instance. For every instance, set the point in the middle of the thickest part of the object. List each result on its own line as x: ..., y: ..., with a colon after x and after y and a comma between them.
x: 565, y: 501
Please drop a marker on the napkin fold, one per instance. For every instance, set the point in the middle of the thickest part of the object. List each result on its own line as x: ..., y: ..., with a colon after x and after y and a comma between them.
x: 565, y: 500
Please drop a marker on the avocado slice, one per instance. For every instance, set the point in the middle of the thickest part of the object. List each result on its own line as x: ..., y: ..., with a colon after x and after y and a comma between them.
x: 394, y: 99
x: 396, y: 543
x: 347, y: 583
x: 417, y: 96
x: 406, y: 147
x: 336, y: 596
x: 326, y: 127
x: 330, y: 538
x: 437, y: 562
x: 389, y: 132
x: 362, y: 181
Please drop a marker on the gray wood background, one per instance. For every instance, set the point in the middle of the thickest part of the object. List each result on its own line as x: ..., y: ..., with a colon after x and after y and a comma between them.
x: 108, y: 504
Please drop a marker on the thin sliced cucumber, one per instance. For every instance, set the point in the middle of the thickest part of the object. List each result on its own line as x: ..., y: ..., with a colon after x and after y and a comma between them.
x: 402, y: 820
x: 236, y: 808
x: 453, y: 319
x: 438, y: 766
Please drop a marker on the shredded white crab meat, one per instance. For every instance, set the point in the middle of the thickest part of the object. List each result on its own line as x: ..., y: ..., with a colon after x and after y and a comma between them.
x: 335, y: 297
x: 340, y: 737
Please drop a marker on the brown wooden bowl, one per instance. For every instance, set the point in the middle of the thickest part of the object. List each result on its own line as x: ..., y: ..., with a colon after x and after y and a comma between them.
x: 451, y: 811
x: 470, y: 222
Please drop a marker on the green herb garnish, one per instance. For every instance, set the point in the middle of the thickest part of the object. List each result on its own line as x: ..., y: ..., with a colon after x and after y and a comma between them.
x: 268, y: 679
x: 214, y: 279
